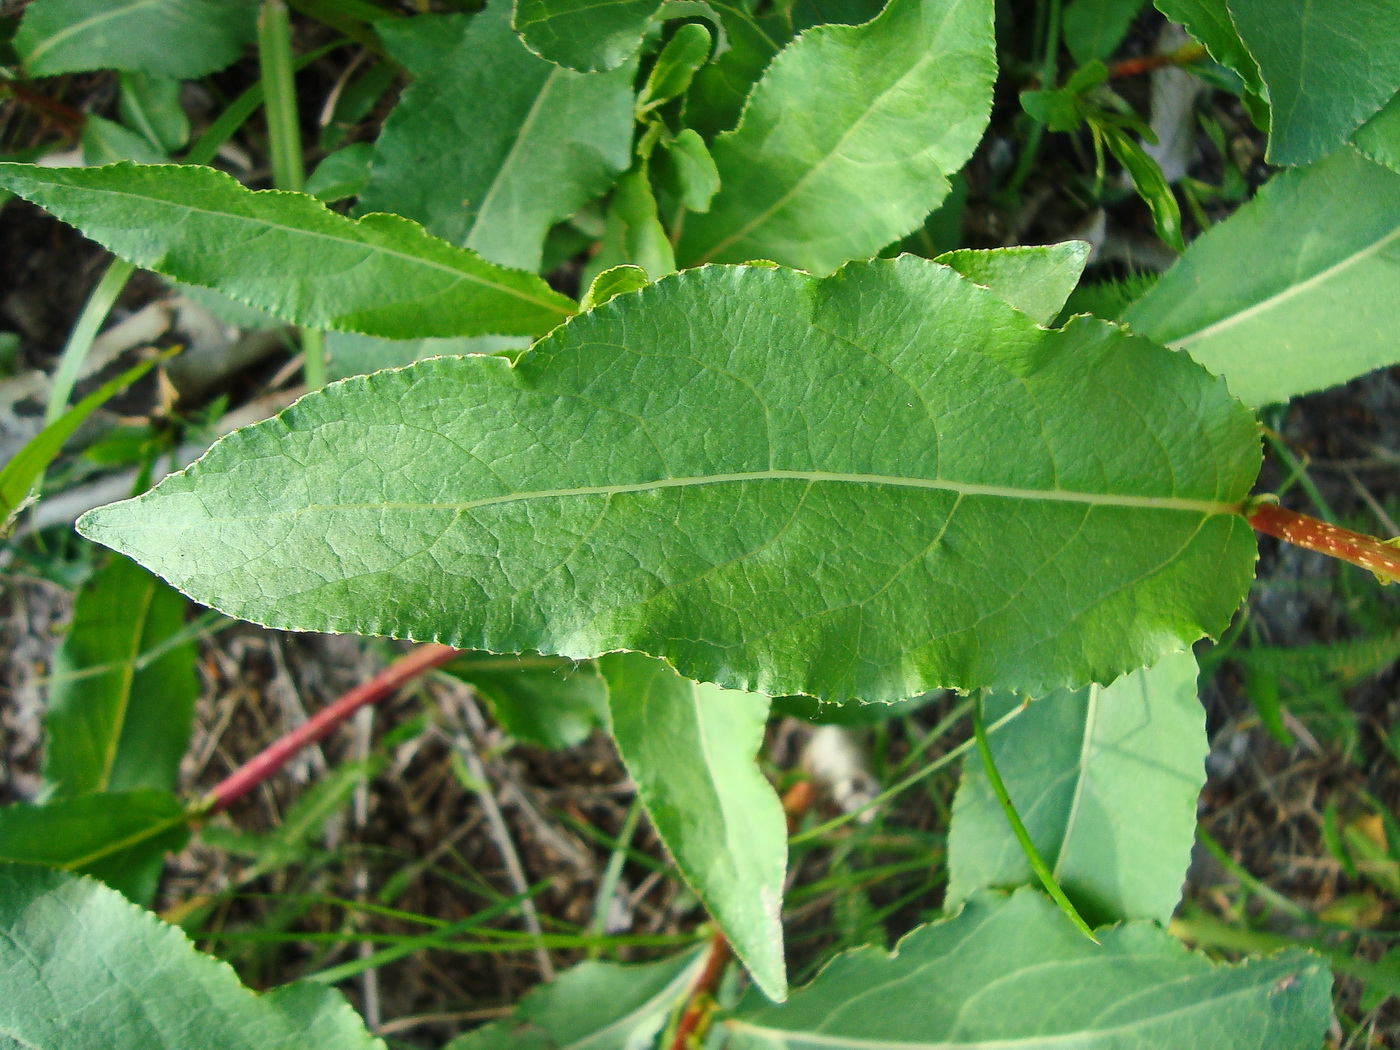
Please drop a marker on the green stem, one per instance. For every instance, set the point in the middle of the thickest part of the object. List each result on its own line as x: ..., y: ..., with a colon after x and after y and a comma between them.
x: 313, y: 358
x: 1047, y: 879
x: 607, y: 885
x: 95, y: 311
x: 279, y: 89
x: 1049, y: 76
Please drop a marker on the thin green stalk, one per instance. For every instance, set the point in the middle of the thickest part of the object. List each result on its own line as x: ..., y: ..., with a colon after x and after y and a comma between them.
x: 313, y: 358
x: 1047, y: 879
x: 95, y: 310
x: 1049, y: 76
x: 612, y: 874
x: 941, y: 762
x: 279, y: 90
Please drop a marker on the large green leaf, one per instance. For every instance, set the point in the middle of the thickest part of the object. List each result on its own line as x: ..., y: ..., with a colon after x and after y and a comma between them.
x: 544, y: 140
x: 1209, y: 22
x: 86, y: 970
x: 289, y: 254
x: 1035, y: 279
x: 586, y: 35
x: 1379, y: 137
x: 1007, y: 973
x: 176, y: 38
x: 593, y: 1006
x: 1329, y: 65
x: 120, y: 838
x: 1105, y: 780
x: 847, y: 141
x: 119, y: 712
x: 863, y: 486
x: 1296, y: 290
x: 541, y: 699
x: 692, y: 751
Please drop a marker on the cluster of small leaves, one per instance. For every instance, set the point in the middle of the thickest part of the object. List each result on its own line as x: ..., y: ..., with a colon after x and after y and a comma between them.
x: 816, y: 472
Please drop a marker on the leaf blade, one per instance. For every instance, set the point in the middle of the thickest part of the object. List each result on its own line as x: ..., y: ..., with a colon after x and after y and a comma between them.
x: 691, y: 749
x: 586, y: 36
x: 288, y: 254
x: 555, y: 551
x: 796, y: 178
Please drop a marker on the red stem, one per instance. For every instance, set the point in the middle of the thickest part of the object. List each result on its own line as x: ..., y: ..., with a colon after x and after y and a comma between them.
x: 277, y: 754
x: 702, y: 994
x: 1131, y: 67
x: 1316, y: 535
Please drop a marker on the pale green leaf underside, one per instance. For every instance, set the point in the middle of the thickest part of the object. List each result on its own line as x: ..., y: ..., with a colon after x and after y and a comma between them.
x: 1013, y: 974
x: 692, y: 751
x: 584, y: 34
x: 1295, y: 291
x: 861, y: 487
x: 177, y: 38
x: 117, y: 719
x: 1036, y: 279
x: 1329, y: 65
x: 846, y: 143
x: 87, y: 970
x: 1105, y: 779
x: 544, y: 140
x: 289, y: 254
x: 536, y: 699
x: 592, y: 1006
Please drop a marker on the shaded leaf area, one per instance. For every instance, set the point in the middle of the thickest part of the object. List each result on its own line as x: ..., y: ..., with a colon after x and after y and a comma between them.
x: 118, y: 837
x: 846, y: 142
x: 544, y: 140
x: 1105, y: 780
x: 540, y: 699
x: 601, y: 1006
x: 585, y: 35
x: 130, y: 980
x: 1037, y: 280
x: 1295, y: 291
x: 289, y: 254
x: 122, y: 699
x: 1014, y: 972
x: 692, y: 749
x: 1322, y: 66
x: 1094, y: 28
x: 352, y: 354
x: 895, y: 500
x: 1379, y: 137
x: 718, y: 92
x: 176, y: 38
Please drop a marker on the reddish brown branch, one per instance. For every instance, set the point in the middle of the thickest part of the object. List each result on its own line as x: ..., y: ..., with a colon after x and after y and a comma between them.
x: 702, y: 994
x: 71, y: 119
x: 277, y: 754
x: 1316, y: 535
x: 1131, y: 67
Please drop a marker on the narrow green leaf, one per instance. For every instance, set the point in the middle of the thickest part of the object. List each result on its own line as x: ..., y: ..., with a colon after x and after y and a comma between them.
x: 634, y: 235
x: 1106, y: 779
x: 584, y: 34
x: 1295, y: 291
x: 1379, y: 137
x: 120, y: 838
x: 117, y: 721
x: 780, y: 484
x: 544, y: 140
x: 1094, y: 28
x: 19, y: 476
x: 106, y: 142
x: 151, y: 105
x: 1036, y: 280
x: 614, y: 282
x: 86, y: 970
x: 1150, y: 183
x: 544, y: 700
x: 692, y: 751
x: 1329, y: 65
x: 847, y: 141
x: 1012, y: 972
x: 175, y: 38
x: 289, y: 254
x: 676, y: 66
x: 1209, y: 22
x: 595, y: 1005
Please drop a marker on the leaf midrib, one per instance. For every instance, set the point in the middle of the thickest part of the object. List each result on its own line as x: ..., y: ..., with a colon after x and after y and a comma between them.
x: 1173, y: 503
x: 49, y: 43
x: 1291, y: 292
